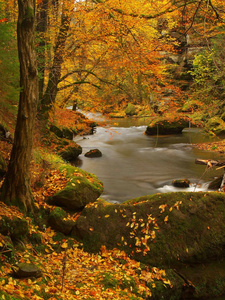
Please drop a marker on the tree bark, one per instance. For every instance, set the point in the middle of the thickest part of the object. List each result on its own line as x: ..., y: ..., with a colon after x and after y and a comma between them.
x: 16, y: 188
x: 48, y: 100
x: 41, y: 29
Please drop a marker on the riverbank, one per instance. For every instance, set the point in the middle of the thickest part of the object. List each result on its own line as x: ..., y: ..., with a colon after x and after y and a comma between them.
x: 218, y: 147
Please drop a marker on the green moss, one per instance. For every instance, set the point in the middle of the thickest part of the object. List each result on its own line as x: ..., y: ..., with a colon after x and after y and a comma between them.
x: 109, y: 281
x: 9, y: 297
x: 58, y: 212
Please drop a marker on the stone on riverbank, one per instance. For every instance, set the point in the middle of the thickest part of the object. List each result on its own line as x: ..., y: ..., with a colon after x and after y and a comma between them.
x: 71, y: 153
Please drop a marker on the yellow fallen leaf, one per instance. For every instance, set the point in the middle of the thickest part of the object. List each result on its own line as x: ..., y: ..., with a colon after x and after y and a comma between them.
x: 64, y: 245
x: 106, y: 216
x: 166, y: 219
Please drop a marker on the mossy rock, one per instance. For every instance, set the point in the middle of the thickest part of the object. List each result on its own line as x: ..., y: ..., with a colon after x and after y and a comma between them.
x: 56, y: 130
x: 172, y: 230
x: 208, y: 279
x: 163, y: 230
x: 215, y: 125
x: 71, y: 153
x: 130, y: 110
x: 26, y: 270
x: 178, y: 288
x: 57, y: 221
x: 62, y: 132
x: 162, y: 126
x: 16, y: 228
x: 78, y: 193
x: 67, y: 133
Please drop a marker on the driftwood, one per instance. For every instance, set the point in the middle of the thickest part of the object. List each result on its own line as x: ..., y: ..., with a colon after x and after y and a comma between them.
x: 209, y: 162
x: 214, y: 163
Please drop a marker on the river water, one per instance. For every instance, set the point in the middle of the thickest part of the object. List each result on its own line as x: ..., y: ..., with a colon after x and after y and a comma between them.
x: 134, y: 164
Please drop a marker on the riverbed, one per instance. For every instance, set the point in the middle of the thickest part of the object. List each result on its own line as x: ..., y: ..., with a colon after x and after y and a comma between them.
x: 134, y: 164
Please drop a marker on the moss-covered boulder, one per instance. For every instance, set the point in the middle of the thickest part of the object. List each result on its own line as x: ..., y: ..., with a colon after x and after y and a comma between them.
x: 13, y: 223
x: 59, y: 221
x: 16, y: 227
x: 176, y: 230
x: 130, y: 110
x: 63, y: 132
x: 216, y: 125
x: 71, y: 153
x: 162, y: 126
x: 164, y: 229
x: 83, y: 188
x: 26, y: 270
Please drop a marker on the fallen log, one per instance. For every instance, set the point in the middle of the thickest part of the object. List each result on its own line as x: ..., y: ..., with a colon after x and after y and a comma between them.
x: 210, y: 162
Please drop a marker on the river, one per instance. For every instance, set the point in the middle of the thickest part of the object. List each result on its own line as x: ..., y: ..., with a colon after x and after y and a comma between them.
x: 134, y: 164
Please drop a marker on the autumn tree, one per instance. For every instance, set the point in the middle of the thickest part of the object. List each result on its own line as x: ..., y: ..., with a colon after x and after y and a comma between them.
x: 107, y: 52
x: 16, y: 187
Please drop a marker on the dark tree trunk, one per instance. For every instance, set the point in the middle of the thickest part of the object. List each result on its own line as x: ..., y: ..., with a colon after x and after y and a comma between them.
x: 16, y: 187
x: 49, y: 97
x: 41, y: 29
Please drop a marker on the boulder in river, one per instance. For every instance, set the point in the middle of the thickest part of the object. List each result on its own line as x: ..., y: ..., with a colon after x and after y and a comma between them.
x: 93, y: 153
x: 181, y: 183
x: 162, y: 126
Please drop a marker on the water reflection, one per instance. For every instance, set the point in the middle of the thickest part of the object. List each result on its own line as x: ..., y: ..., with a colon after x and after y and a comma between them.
x: 134, y: 164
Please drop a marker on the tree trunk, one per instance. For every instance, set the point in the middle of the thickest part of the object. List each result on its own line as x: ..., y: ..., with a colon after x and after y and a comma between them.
x: 16, y: 187
x: 49, y: 97
x: 41, y: 48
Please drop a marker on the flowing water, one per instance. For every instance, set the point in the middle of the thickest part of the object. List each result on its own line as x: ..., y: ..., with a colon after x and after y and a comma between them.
x: 134, y: 164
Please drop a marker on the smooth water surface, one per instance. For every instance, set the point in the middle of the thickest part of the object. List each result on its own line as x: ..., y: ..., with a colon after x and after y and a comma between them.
x: 134, y: 164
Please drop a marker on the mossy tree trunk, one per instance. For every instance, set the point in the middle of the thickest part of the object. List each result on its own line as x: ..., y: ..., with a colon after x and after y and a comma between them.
x: 16, y: 187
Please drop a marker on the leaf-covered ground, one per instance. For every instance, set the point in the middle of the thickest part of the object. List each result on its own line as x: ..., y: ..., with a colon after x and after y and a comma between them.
x: 71, y: 273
